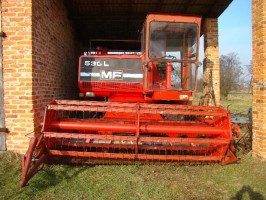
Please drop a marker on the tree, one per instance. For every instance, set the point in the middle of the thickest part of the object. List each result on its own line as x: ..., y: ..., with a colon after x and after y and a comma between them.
x: 250, y: 70
x: 230, y: 72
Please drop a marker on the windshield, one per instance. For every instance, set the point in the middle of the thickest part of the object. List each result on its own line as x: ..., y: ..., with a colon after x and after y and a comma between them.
x: 173, y: 40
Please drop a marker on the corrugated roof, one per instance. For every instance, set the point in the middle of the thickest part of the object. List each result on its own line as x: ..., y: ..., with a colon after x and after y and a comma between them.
x: 122, y: 19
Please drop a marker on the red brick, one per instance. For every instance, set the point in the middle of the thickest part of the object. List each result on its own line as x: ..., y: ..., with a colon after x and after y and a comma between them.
x: 210, y: 31
x: 259, y: 75
x: 25, y: 26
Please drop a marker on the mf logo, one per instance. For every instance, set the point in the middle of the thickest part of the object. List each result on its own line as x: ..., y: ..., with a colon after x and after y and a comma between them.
x: 111, y: 75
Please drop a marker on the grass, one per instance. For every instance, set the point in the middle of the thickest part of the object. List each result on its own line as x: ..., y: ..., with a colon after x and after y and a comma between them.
x: 237, y: 102
x: 245, y: 179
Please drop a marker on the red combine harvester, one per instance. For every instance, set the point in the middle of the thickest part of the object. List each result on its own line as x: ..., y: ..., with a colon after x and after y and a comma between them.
x: 136, y: 107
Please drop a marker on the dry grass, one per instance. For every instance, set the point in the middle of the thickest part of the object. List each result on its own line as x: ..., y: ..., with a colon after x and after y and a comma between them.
x: 235, y: 102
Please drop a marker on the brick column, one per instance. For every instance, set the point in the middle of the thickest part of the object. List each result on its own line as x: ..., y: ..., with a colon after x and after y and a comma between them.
x: 39, y: 64
x: 259, y: 78
x: 211, y: 65
x: 17, y: 72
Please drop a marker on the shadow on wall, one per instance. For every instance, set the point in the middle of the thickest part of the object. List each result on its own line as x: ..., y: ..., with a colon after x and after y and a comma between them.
x: 208, y: 97
x: 56, y: 49
x: 247, y: 192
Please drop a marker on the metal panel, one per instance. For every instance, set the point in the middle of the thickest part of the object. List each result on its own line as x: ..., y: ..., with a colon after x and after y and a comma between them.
x: 2, y: 116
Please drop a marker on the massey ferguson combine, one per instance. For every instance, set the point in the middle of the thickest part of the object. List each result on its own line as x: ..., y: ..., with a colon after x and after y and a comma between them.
x: 136, y: 107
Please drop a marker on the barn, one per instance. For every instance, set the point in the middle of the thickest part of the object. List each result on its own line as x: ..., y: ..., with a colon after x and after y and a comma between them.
x: 42, y: 40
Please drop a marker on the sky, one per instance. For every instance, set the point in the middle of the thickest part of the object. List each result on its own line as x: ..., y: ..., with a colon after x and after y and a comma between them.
x: 235, y: 31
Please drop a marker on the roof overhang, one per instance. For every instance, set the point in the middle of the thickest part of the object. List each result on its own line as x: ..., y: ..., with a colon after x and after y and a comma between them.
x: 123, y: 19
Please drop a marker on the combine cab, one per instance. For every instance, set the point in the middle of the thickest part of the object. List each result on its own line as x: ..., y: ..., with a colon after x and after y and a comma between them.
x: 136, y: 107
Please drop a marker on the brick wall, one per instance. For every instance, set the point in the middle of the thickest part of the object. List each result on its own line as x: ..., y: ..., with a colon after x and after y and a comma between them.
x: 211, y: 61
x: 55, y: 58
x: 39, y: 63
x: 17, y: 72
x: 259, y: 78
